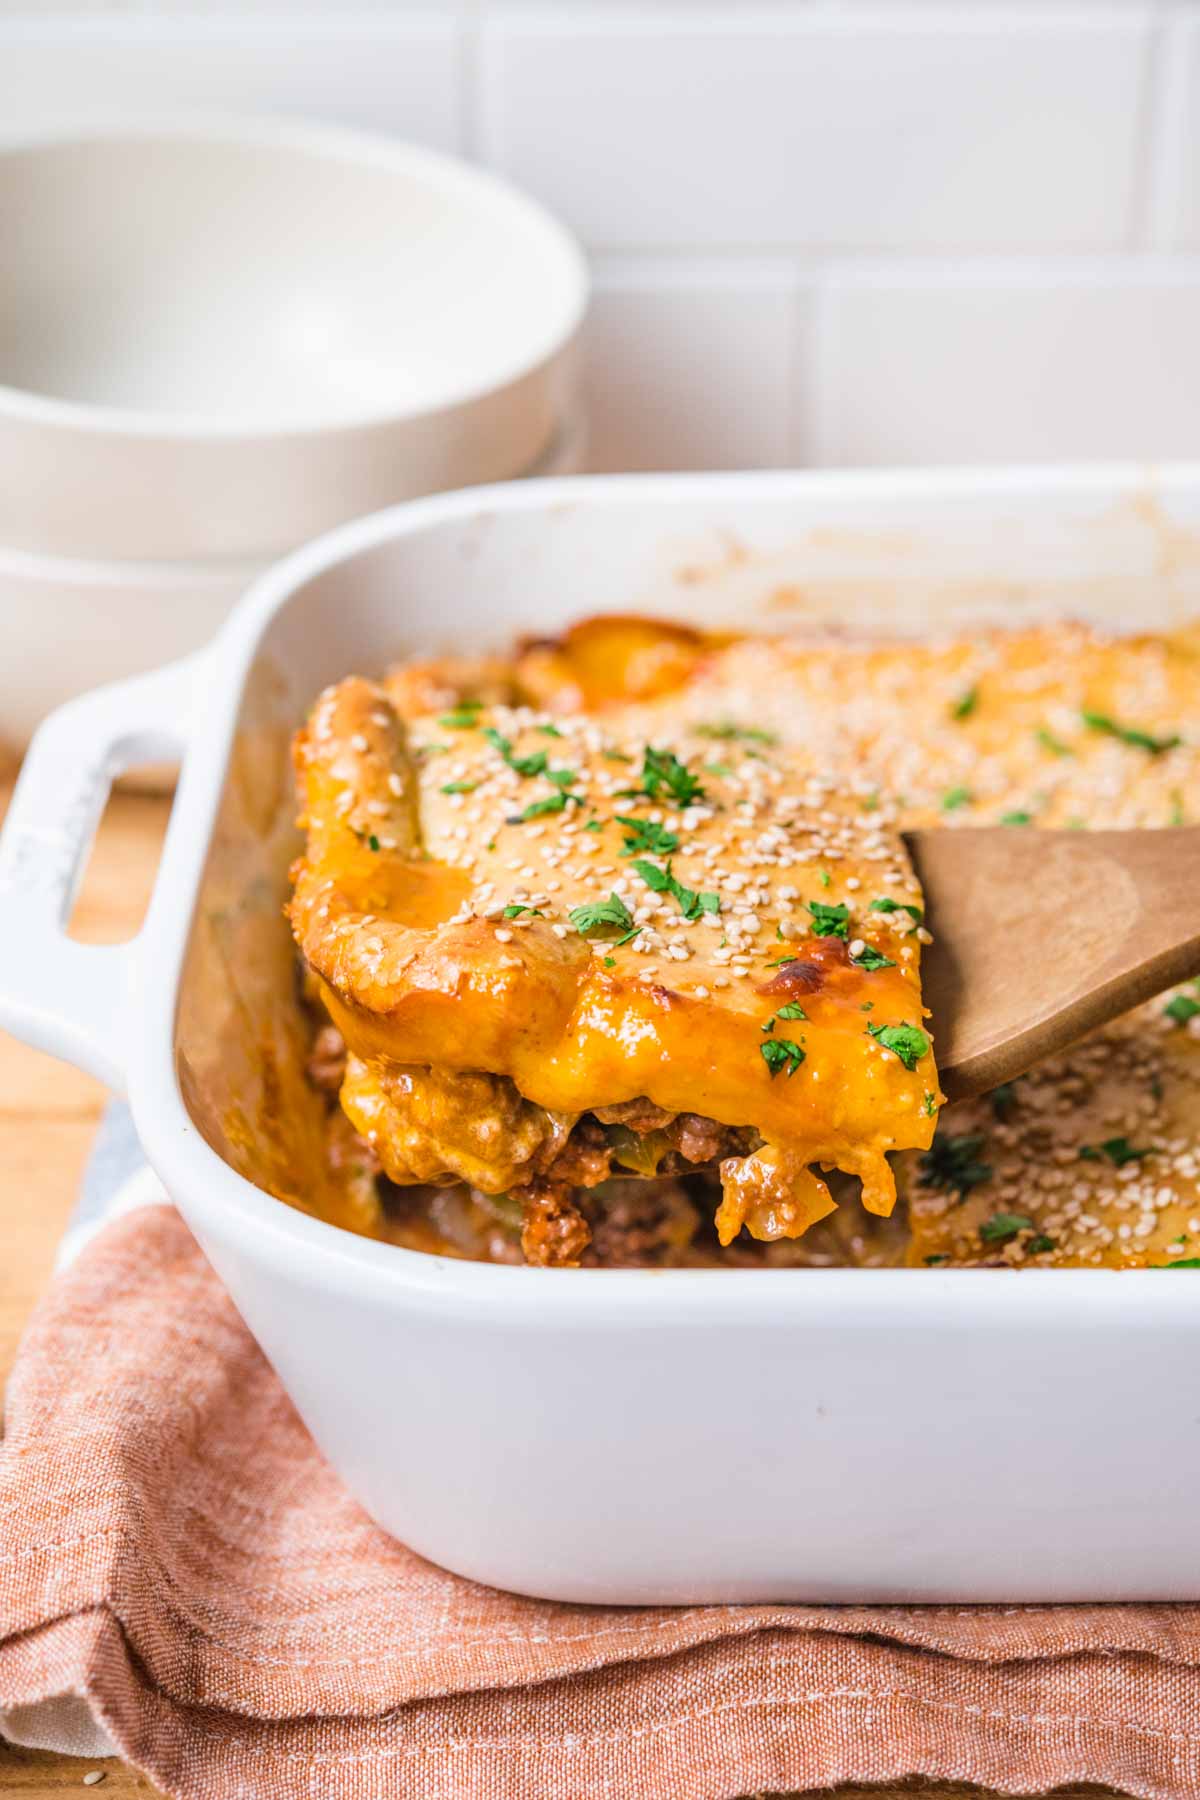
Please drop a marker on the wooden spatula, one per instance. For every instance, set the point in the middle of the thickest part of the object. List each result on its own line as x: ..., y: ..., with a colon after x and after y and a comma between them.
x: 1039, y: 936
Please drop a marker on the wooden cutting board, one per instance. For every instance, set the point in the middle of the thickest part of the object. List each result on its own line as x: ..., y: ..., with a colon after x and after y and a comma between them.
x: 48, y: 1116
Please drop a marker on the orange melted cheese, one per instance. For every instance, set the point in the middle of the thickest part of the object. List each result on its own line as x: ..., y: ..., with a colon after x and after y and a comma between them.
x: 595, y: 919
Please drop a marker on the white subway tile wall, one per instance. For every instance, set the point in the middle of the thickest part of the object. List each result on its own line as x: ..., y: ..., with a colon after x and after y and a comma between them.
x: 399, y: 71
x: 1004, y: 366
x: 946, y: 131
x: 681, y: 360
x: 821, y: 230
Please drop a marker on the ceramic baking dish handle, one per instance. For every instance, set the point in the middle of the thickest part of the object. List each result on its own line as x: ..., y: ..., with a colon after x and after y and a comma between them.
x: 62, y: 996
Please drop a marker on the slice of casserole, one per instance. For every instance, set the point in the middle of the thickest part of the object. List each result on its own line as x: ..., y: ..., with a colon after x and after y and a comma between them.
x: 558, y: 952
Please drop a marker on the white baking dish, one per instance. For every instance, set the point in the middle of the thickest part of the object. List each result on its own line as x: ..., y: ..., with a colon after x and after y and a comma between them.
x: 615, y: 1436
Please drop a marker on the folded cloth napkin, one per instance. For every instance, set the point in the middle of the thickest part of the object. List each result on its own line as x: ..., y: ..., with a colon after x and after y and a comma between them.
x: 183, y: 1578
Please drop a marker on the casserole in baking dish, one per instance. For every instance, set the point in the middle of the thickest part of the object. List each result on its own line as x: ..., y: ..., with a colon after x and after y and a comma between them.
x: 615, y: 976
x: 596, y: 1434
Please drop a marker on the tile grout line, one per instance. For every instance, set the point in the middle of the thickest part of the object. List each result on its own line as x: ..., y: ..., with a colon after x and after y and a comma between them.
x: 470, y: 26
x: 801, y: 374
x: 822, y: 433
x: 1149, y: 115
x: 1166, y: 140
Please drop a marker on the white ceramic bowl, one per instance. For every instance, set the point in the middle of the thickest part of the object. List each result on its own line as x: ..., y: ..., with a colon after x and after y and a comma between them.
x: 67, y: 625
x: 626, y: 1435
x: 220, y: 338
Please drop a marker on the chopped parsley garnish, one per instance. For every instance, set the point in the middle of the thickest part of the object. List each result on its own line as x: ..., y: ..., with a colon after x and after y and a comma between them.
x: 953, y: 1163
x: 1181, y: 1262
x: 538, y: 763
x: 1048, y: 741
x: 781, y: 1053
x: 1181, y: 1008
x: 537, y: 809
x: 1118, y: 1150
x: 790, y: 1011
x: 615, y: 756
x: 514, y: 912
x: 372, y: 842
x: 829, y: 921
x: 596, y: 918
x: 955, y: 797
x: 662, y: 769
x: 1177, y: 814
x: 459, y: 787
x: 661, y: 881
x: 1003, y: 1227
x: 1016, y: 818
x: 931, y: 1262
x: 499, y: 742
x: 610, y: 962
x: 966, y: 704
x: 886, y: 905
x: 779, y: 961
x: 717, y: 768
x: 548, y: 730
x: 1003, y: 1099
x: 1038, y: 1246
x: 594, y: 825
x: 871, y: 958
x: 729, y: 733
x: 824, y: 877
x: 929, y: 1104
x: 644, y: 834
x: 908, y: 1042
x: 464, y: 717
x: 1130, y: 734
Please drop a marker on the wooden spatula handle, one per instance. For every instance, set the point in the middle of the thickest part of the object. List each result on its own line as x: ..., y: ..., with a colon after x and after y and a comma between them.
x: 1041, y: 936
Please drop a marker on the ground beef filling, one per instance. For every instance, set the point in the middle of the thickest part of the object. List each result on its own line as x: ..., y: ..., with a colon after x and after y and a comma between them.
x: 554, y: 1233
x: 602, y: 1188
x: 643, y: 1224
x: 578, y: 1206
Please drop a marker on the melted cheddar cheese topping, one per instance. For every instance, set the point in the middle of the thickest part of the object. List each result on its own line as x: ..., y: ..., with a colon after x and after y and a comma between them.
x: 518, y: 918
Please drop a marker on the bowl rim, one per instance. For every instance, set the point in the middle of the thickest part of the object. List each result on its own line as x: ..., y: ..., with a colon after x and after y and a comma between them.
x: 335, y: 143
x: 18, y: 564
x: 257, y: 1225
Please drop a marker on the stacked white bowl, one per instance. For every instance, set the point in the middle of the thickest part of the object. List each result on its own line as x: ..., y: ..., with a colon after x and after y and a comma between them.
x: 218, y: 339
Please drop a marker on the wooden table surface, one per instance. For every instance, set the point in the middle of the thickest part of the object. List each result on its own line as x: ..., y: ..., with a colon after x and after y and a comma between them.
x: 48, y: 1117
